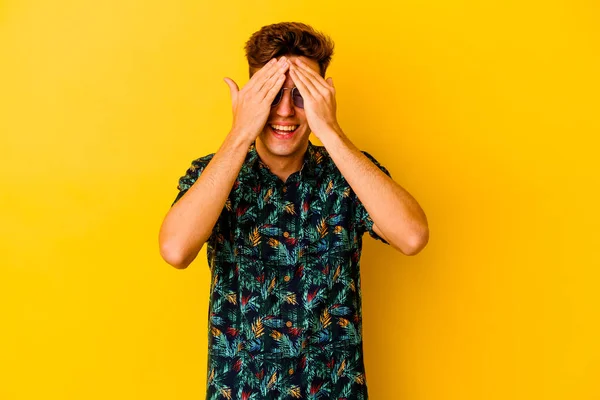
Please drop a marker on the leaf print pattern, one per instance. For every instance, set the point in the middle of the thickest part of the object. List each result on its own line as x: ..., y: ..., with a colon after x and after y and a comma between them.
x: 285, y: 314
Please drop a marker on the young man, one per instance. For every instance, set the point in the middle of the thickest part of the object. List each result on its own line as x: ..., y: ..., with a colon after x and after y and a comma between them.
x: 283, y: 220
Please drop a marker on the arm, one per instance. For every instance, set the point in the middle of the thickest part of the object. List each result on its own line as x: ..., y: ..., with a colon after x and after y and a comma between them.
x: 190, y: 221
x: 397, y: 216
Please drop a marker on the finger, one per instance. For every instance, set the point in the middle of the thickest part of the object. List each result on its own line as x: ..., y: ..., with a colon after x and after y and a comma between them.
x: 270, y: 89
x: 309, y: 71
x: 282, y: 66
x: 260, y: 74
x: 272, y: 92
x: 330, y: 82
x: 233, y: 88
x: 271, y: 83
x: 317, y: 79
x: 300, y: 83
x: 305, y: 80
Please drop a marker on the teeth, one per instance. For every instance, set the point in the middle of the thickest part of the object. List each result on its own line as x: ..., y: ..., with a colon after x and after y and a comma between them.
x: 284, y: 128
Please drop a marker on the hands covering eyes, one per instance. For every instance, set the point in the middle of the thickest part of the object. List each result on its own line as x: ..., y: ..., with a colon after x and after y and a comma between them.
x: 251, y: 105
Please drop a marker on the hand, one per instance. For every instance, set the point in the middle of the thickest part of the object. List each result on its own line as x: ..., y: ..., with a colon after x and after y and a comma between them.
x: 252, y: 105
x: 319, y: 98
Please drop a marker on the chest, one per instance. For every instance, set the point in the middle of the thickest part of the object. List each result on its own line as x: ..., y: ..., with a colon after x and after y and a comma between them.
x: 290, y: 225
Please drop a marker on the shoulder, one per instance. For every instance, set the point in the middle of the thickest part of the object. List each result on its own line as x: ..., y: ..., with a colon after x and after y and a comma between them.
x: 197, y: 166
x: 329, y: 165
x: 202, y: 161
x: 193, y: 171
x: 321, y: 151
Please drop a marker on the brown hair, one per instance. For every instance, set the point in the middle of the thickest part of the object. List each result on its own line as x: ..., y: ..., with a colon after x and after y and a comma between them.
x: 288, y: 38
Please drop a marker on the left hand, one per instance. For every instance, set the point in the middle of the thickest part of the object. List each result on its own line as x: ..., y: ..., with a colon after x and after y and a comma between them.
x: 319, y: 98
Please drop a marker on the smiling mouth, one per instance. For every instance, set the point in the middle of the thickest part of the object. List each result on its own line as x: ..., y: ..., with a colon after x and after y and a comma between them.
x: 284, y: 129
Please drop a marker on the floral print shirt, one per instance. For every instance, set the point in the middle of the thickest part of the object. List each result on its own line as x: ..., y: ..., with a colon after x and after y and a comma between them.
x: 284, y: 314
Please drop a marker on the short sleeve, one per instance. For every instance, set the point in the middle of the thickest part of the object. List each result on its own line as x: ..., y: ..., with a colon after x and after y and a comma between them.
x: 191, y: 175
x: 362, y: 219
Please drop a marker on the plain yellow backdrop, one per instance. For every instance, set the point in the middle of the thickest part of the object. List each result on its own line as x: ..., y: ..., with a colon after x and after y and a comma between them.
x: 486, y: 112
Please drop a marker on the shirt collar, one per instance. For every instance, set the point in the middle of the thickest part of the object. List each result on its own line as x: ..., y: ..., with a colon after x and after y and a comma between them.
x: 311, y: 166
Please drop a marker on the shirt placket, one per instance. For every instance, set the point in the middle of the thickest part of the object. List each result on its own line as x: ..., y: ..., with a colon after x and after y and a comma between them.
x: 283, y: 267
x: 291, y: 229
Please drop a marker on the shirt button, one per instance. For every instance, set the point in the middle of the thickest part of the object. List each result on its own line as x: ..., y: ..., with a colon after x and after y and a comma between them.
x: 286, y: 278
x: 284, y: 189
x: 291, y: 371
x: 286, y: 234
x: 288, y: 324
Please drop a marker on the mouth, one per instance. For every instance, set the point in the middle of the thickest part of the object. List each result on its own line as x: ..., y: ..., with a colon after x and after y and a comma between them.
x: 283, y: 131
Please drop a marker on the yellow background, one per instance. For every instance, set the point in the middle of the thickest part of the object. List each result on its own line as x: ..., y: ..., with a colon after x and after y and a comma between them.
x: 486, y: 111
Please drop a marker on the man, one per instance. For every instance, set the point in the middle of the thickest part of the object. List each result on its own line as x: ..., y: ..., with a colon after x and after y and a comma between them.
x: 283, y: 220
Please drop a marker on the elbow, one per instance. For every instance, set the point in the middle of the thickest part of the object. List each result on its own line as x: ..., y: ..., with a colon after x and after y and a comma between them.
x: 418, y: 243
x: 175, y: 256
x: 176, y: 246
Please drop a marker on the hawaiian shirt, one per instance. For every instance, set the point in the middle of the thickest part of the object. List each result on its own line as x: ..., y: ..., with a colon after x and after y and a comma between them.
x: 285, y: 316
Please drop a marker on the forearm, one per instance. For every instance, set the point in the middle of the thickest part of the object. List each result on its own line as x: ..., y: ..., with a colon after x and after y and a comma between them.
x: 190, y: 221
x: 393, y: 210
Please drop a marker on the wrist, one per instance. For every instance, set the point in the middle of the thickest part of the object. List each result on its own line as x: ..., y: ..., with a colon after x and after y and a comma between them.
x: 331, y: 131
x: 242, y: 136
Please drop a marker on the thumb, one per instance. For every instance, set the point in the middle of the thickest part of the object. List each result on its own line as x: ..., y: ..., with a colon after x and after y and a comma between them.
x: 233, y: 87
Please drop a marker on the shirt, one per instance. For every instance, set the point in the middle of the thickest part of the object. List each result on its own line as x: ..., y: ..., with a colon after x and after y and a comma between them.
x: 285, y: 315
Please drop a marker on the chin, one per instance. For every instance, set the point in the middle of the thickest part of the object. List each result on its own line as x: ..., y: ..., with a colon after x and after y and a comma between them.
x: 283, y: 147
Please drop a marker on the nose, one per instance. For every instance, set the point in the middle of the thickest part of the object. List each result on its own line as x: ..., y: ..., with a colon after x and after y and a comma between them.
x: 285, y: 108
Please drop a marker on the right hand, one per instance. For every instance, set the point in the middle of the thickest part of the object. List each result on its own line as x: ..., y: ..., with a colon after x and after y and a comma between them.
x: 252, y: 105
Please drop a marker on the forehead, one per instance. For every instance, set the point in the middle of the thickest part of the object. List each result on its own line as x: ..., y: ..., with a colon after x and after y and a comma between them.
x: 308, y: 61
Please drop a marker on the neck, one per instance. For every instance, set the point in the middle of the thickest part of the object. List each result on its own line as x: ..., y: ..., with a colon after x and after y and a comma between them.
x: 281, y: 166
